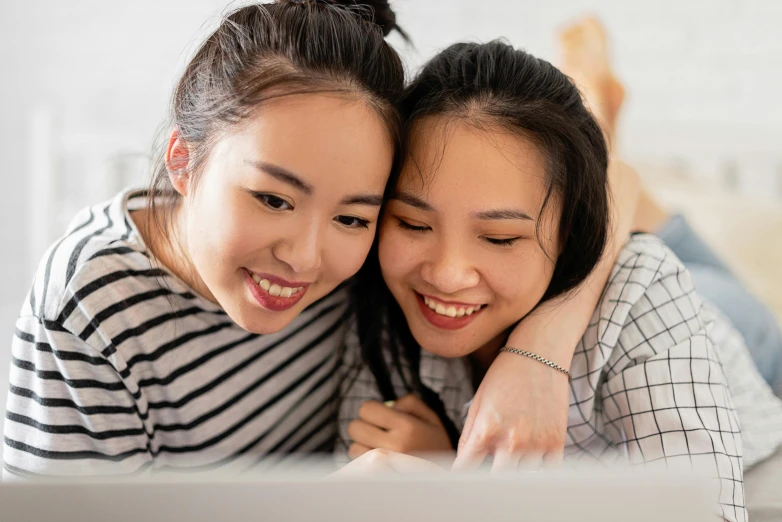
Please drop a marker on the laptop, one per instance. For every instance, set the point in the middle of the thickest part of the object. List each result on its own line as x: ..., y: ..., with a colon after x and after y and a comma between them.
x: 301, y: 495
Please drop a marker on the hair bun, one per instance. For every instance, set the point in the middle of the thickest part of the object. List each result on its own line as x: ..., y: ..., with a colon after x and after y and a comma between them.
x: 376, y: 11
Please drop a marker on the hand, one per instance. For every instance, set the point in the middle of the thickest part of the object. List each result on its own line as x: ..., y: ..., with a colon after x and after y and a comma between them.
x: 407, y: 427
x: 519, y: 415
x: 381, y: 461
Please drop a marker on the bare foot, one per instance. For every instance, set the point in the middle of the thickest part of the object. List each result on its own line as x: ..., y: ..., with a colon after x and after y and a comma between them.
x: 585, y: 59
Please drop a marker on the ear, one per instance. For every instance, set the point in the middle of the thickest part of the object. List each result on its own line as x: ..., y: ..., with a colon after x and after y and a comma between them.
x: 177, y: 160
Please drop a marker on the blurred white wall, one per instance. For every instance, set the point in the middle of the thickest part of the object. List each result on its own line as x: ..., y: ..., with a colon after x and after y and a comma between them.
x: 85, y: 83
x: 88, y: 81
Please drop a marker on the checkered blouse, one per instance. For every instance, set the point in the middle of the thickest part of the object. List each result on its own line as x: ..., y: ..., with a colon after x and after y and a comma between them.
x: 658, y: 378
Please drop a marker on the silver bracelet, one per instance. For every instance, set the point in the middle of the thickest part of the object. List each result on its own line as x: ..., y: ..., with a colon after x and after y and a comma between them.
x: 537, y: 358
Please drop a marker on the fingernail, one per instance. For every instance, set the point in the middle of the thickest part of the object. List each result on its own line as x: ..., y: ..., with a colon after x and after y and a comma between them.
x: 389, y: 404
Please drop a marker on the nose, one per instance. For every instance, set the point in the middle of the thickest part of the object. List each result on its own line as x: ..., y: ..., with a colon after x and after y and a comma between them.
x: 449, y: 268
x: 301, y: 249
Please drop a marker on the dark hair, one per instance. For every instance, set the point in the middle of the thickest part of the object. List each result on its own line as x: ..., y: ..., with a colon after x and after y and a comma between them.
x: 489, y: 86
x: 265, y: 51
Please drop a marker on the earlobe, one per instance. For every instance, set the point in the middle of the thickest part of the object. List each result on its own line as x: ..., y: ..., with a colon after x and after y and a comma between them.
x: 177, y: 160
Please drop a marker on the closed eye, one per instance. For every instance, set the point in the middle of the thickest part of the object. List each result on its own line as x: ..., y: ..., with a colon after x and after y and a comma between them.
x: 506, y: 242
x: 407, y: 226
x: 272, y: 202
x: 352, y: 222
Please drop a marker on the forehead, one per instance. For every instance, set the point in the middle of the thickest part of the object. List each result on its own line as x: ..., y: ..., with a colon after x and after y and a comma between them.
x: 325, y: 139
x: 452, y: 162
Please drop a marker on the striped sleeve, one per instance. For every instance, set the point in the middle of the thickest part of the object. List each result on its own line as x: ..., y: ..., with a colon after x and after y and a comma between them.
x: 68, y: 410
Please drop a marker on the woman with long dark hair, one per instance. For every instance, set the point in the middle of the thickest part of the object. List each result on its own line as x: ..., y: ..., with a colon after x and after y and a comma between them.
x: 501, y: 207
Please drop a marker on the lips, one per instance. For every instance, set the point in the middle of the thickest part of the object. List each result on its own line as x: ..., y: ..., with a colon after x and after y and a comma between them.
x: 449, y: 317
x: 274, y: 293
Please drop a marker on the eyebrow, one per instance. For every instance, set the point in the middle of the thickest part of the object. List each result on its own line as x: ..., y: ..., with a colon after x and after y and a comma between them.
x: 505, y: 213
x: 282, y: 174
x: 413, y: 201
x: 372, y: 200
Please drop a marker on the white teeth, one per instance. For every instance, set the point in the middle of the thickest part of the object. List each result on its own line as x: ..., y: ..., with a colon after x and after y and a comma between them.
x: 275, y: 289
x: 450, y: 311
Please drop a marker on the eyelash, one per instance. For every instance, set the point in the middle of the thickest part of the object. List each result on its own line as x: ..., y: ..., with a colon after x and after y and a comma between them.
x: 508, y: 242
x: 404, y: 225
x: 266, y: 199
x: 359, y: 222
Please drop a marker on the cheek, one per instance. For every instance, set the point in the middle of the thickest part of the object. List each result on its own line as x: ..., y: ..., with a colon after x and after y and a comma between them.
x: 519, y: 282
x: 226, y: 230
x: 346, y: 253
x: 397, y: 253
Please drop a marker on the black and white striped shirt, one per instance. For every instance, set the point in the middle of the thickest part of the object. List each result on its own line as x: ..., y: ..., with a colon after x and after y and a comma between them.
x: 119, y: 367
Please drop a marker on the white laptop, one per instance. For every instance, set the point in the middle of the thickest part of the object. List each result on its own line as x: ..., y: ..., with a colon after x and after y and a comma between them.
x: 563, y: 495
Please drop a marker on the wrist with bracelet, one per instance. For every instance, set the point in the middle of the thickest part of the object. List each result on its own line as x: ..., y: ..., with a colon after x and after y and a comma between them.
x: 537, y: 358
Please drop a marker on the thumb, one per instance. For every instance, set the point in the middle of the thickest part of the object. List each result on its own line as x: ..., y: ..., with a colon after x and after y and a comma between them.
x: 414, y: 406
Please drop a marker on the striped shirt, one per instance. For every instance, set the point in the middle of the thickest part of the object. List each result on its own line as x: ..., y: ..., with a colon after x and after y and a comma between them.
x: 657, y: 379
x: 119, y: 367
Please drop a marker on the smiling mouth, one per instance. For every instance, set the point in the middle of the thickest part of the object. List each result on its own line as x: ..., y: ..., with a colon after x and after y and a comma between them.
x: 273, y: 293
x: 273, y: 289
x: 450, y: 310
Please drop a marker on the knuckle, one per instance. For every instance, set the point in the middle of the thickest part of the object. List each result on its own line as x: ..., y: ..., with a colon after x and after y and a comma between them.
x: 362, y: 411
x: 354, y: 451
x: 398, y: 446
x: 375, y: 456
x: 352, y: 427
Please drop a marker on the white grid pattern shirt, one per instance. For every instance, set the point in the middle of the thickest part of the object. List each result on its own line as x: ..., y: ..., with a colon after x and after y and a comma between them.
x: 658, y: 379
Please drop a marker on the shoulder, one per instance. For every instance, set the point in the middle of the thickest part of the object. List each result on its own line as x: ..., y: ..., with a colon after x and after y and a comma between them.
x: 649, y: 306
x: 98, y: 249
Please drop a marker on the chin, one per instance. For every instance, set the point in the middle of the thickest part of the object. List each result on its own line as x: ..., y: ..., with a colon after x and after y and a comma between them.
x: 265, y: 323
x: 449, y: 345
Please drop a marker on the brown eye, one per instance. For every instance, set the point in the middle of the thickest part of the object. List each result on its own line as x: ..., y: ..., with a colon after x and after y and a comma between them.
x: 352, y: 222
x: 273, y: 202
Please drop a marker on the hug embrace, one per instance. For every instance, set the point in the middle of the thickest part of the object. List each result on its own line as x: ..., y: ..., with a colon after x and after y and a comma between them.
x: 328, y: 260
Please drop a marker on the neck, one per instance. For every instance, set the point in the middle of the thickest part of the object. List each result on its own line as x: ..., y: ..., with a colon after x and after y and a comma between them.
x: 166, y: 246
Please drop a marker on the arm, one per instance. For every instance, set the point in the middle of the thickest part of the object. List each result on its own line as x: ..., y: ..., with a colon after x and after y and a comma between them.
x: 68, y: 411
x: 524, y: 398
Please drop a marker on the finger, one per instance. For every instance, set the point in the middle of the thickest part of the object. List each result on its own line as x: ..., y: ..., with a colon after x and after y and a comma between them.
x: 367, y: 434
x: 530, y: 461
x: 470, y: 454
x: 356, y: 450
x: 553, y: 459
x: 472, y: 412
x: 505, y: 461
x: 379, y: 414
x: 414, y: 406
